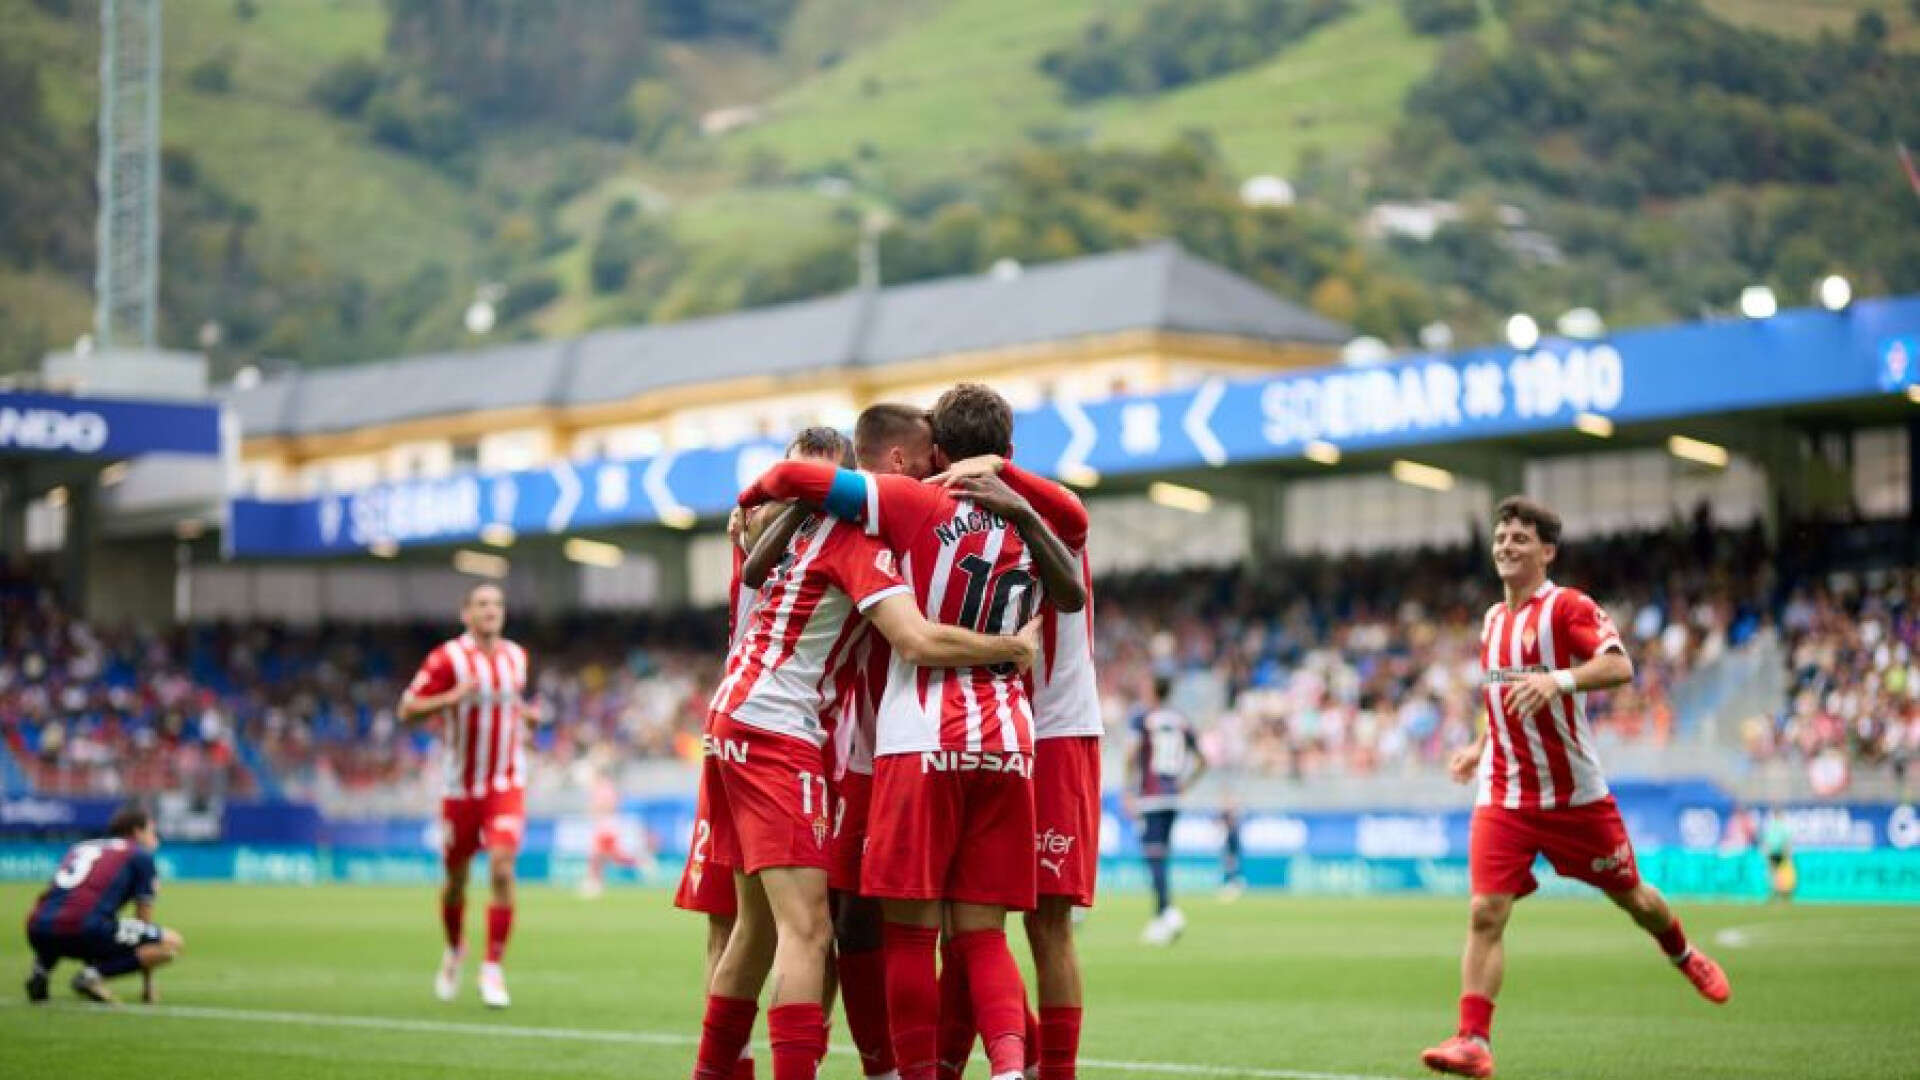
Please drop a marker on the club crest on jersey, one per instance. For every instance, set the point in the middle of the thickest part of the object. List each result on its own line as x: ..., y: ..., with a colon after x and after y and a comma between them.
x: 883, y: 561
x: 932, y: 761
x: 974, y: 520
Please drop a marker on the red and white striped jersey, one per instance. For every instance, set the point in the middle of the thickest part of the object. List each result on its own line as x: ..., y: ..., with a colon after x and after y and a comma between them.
x: 781, y: 673
x: 968, y: 568
x: 484, y: 735
x: 864, y: 683
x: 1548, y: 760
x: 1066, y: 697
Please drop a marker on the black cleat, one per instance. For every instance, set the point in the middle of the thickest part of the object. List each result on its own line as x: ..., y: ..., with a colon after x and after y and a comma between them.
x: 37, y: 987
x: 88, y: 984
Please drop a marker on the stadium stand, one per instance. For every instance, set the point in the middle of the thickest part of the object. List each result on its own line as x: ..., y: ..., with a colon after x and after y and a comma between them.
x: 1308, y: 669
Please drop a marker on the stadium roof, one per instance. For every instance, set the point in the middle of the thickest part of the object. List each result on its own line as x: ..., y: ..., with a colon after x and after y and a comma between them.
x: 1155, y: 287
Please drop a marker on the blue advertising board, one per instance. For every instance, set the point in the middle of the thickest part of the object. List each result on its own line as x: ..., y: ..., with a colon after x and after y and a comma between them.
x: 57, y: 425
x: 1796, y: 357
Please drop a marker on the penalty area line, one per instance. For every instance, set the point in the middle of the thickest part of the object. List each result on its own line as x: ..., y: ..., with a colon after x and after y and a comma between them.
x: 623, y: 1038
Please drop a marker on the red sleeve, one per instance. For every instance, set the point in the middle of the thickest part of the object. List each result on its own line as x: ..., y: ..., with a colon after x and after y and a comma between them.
x: 807, y: 481
x: 1059, y: 507
x: 863, y: 568
x: 1586, y: 627
x: 434, y: 677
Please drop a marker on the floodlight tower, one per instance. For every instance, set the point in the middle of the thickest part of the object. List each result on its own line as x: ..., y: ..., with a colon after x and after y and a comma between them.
x: 127, y: 268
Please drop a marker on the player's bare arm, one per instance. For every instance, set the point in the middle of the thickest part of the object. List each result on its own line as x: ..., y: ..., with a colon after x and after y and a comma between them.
x: 1609, y: 669
x: 769, y: 545
x: 969, y: 468
x: 929, y: 644
x: 1464, y: 762
x: 1054, y: 564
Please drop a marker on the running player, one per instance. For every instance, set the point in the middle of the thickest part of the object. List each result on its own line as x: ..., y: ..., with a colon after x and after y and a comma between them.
x: 603, y: 811
x: 78, y: 916
x: 952, y: 811
x: 1540, y: 789
x: 768, y: 780
x: 478, y: 683
x: 1163, y: 762
x: 1066, y: 794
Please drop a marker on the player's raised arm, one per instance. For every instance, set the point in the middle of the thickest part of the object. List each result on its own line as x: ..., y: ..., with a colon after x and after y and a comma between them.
x: 929, y: 644
x: 1058, y: 570
x: 840, y: 492
x: 770, y: 546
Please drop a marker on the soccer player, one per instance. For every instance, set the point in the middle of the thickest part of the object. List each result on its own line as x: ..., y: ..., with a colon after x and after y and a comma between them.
x: 78, y: 916
x: 768, y: 784
x: 1540, y: 789
x: 478, y: 683
x: 1067, y: 729
x: 1163, y: 761
x: 952, y: 814
x: 603, y: 809
x: 759, y: 541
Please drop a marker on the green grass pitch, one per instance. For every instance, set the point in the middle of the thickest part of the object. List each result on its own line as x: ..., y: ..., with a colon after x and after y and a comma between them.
x: 285, y: 983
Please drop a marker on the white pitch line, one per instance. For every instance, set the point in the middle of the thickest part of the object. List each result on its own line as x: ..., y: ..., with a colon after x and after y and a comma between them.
x: 629, y: 1038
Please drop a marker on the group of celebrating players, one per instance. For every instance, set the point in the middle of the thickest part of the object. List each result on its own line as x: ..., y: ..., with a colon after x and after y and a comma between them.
x: 906, y: 747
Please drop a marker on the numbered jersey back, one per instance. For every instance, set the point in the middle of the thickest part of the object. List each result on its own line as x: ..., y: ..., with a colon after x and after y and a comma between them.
x: 968, y: 568
x: 95, y: 879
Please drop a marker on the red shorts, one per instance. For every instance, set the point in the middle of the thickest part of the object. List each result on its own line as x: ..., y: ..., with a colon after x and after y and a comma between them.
x: 706, y: 885
x: 771, y: 806
x: 852, y: 798
x: 494, y: 822
x: 1066, y: 816
x: 1587, y: 843
x: 964, y: 835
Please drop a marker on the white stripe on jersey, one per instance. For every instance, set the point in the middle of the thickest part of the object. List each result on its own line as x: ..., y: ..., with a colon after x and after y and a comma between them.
x: 486, y: 723
x: 1066, y: 691
x: 1583, y: 758
x: 1537, y: 743
x: 458, y: 737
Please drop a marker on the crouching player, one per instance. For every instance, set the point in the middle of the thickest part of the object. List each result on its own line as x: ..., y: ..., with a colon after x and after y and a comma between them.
x: 78, y: 916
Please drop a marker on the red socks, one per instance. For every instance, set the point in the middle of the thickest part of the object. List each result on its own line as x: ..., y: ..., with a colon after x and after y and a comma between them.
x: 499, y: 925
x: 863, y: 988
x: 743, y: 1069
x: 913, y: 996
x: 1673, y: 942
x: 1059, y: 1041
x: 1476, y: 1016
x: 453, y: 918
x: 957, y: 1032
x: 723, y: 1035
x: 999, y: 998
x: 797, y: 1032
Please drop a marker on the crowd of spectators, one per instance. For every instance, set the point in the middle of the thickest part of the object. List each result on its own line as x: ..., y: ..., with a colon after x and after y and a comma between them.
x: 1854, y: 680
x: 1309, y: 668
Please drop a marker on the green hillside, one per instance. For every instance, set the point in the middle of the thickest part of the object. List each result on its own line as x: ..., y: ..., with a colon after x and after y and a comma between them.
x: 341, y: 184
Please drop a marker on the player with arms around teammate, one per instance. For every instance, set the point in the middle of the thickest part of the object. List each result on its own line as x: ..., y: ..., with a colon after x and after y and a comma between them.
x: 768, y: 775
x: 1067, y: 729
x: 478, y: 683
x: 78, y: 916
x: 1163, y: 761
x: 1540, y: 789
x: 953, y: 815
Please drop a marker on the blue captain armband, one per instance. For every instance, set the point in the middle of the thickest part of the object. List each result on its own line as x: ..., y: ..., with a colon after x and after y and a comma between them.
x: 847, y: 498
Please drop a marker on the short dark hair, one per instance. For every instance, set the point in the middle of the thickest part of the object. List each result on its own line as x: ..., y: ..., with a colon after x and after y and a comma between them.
x: 884, y: 426
x: 970, y: 420
x: 820, y: 441
x: 128, y: 820
x: 1546, y: 523
x: 1162, y: 688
